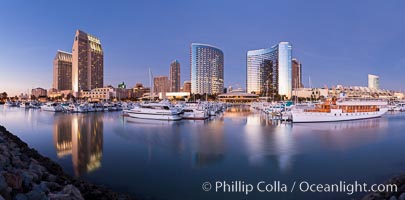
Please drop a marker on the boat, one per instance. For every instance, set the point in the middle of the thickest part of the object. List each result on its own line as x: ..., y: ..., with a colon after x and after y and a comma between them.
x: 25, y: 105
x: 193, y: 113
x: 156, y: 111
x: 75, y: 108
x: 9, y: 103
x: 52, y: 107
x: 341, y: 110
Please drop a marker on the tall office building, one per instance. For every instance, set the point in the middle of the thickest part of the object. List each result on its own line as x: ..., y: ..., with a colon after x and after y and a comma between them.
x: 62, y: 71
x: 373, y: 82
x: 175, y: 76
x: 207, y: 69
x: 161, y: 84
x: 87, y: 62
x: 268, y: 71
x: 296, y: 74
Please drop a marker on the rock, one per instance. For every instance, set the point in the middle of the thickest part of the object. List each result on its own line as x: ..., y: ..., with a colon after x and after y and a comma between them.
x: 27, y: 178
x: 20, y: 196
x: 52, y: 186
x: 36, y: 195
x: 51, y: 178
x: 17, y: 162
x: 393, y: 198
x: 14, y: 181
x: 73, y: 192
x: 41, y: 187
x: 402, y: 196
x: 36, y: 168
x: 3, y: 183
x: 4, y: 161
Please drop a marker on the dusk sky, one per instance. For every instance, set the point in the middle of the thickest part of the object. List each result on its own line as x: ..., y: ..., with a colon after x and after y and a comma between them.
x: 337, y: 42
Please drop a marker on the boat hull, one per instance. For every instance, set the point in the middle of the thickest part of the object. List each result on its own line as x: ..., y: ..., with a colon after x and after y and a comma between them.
x: 154, y: 116
x: 309, y: 117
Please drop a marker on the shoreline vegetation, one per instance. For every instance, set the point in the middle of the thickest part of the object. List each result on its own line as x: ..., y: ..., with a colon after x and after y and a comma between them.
x: 25, y: 174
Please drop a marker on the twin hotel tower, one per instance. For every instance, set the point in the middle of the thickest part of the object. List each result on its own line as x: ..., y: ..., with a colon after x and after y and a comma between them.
x: 269, y: 72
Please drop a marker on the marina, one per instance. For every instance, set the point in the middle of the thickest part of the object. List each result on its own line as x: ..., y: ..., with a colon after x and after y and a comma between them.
x: 115, y: 150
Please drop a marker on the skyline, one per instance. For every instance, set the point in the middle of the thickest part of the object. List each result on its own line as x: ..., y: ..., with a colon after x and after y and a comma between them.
x: 336, y: 44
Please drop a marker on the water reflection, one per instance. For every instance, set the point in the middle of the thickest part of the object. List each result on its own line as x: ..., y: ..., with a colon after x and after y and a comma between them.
x: 269, y: 142
x: 146, y: 156
x: 209, y: 143
x: 80, y: 136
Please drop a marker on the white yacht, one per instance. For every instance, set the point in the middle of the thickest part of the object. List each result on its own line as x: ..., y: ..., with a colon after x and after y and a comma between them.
x: 52, y: 107
x: 342, y: 110
x: 157, y: 111
x: 193, y: 113
x: 25, y: 105
x: 9, y: 103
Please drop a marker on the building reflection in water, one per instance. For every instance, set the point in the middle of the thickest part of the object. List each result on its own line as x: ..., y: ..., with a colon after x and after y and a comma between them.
x: 80, y: 136
x: 268, y: 140
x: 209, y: 143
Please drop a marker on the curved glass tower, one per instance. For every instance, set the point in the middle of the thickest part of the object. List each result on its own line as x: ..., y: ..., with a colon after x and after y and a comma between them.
x: 269, y: 72
x: 207, y: 69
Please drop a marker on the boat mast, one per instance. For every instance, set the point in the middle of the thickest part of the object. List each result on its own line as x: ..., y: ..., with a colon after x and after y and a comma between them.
x: 150, y: 85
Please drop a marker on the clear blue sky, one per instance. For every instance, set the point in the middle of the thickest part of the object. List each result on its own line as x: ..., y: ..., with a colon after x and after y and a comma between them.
x: 337, y: 42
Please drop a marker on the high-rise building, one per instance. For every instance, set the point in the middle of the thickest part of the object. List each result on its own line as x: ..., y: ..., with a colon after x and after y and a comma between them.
x: 268, y: 71
x: 296, y: 74
x: 373, y: 82
x: 187, y: 86
x: 207, y: 69
x: 62, y: 71
x: 161, y: 84
x: 87, y: 62
x: 175, y: 76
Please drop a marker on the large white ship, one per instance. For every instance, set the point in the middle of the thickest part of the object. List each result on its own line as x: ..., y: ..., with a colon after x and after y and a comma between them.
x: 342, y: 110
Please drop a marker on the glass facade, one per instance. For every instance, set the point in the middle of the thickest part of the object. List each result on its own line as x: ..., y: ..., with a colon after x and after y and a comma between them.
x: 207, y: 69
x: 87, y: 62
x: 284, y: 69
x: 296, y: 74
x: 62, y: 71
x: 373, y: 82
x: 268, y: 71
x: 175, y: 76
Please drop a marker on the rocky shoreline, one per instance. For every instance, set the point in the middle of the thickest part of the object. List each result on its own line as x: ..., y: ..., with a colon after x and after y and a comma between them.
x: 398, y: 195
x: 25, y: 174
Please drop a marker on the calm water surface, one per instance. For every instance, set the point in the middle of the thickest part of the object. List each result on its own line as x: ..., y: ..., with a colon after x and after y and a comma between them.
x: 170, y: 160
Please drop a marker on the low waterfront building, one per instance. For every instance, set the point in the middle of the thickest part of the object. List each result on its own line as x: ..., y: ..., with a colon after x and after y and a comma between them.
x: 360, y: 91
x: 38, y: 92
x: 99, y: 94
x: 139, y: 90
x: 107, y: 93
x: 311, y: 93
x: 55, y: 93
x: 238, y: 97
x: 174, y: 95
x: 187, y: 86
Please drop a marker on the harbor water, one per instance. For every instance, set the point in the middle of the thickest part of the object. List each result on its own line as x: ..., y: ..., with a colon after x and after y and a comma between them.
x: 171, y: 160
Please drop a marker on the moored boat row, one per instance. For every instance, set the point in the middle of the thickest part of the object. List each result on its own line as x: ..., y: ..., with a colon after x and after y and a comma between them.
x: 166, y: 111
